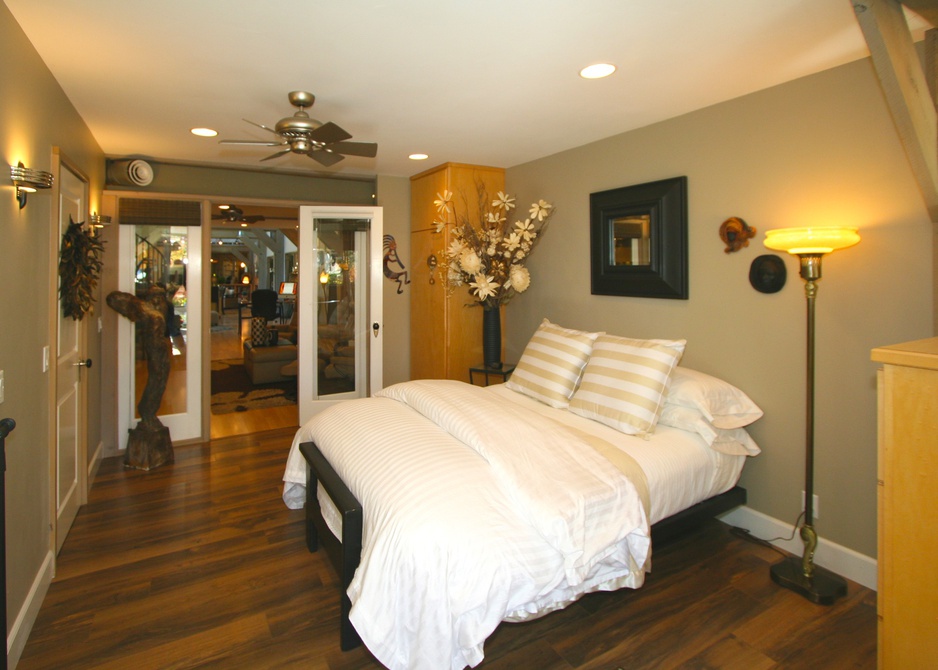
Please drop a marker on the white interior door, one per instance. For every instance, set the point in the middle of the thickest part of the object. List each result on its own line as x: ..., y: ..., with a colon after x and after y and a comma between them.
x: 70, y: 447
x: 340, y: 303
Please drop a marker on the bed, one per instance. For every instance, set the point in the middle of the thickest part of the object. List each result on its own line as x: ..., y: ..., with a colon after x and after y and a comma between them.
x: 459, y: 507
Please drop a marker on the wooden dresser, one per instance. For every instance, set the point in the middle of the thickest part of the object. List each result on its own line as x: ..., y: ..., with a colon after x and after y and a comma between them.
x: 445, y: 335
x: 907, y: 599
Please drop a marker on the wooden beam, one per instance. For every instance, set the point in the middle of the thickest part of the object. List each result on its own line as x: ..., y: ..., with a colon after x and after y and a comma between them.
x: 902, y: 78
x: 927, y: 9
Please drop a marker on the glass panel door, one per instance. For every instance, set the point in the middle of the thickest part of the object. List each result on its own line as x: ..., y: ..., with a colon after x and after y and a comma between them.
x: 162, y: 258
x: 340, y: 305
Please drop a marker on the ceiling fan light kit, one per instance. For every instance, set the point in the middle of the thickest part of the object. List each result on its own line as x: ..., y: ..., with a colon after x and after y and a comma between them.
x: 300, y: 134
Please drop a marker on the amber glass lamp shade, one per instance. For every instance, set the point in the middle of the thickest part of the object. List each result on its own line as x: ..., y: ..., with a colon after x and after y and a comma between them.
x: 821, y: 240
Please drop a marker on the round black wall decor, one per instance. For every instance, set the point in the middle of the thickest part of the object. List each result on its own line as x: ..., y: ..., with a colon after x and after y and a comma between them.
x: 767, y: 273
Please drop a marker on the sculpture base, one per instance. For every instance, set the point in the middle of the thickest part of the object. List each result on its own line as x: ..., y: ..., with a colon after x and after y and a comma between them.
x: 823, y: 587
x: 148, y: 448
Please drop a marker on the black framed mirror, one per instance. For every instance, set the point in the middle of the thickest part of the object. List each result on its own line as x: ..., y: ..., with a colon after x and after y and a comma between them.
x: 638, y: 240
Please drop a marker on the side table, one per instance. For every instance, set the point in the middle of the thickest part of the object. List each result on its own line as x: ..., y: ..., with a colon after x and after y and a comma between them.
x: 480, y: 369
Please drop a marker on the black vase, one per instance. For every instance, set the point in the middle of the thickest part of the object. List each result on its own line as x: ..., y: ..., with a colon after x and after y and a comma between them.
x: 492, y: 338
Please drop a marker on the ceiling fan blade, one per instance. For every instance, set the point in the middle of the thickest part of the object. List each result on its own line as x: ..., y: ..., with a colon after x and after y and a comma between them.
x: 324, y: 157
x: 260, y: 143
x: 366, y: 149
x: 254, y: 218
x: 261, y: 125
x: 328, y: 133
x: 277, y: 155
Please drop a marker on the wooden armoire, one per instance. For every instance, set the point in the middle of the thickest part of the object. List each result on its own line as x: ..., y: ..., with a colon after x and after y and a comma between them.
x: 908, y: 504
x: 445, y: 334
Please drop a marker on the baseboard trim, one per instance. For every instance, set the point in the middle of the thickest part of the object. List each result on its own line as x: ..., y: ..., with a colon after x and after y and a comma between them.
x: 26, y: 617
x: 844, y: 561
x: 95, y: 463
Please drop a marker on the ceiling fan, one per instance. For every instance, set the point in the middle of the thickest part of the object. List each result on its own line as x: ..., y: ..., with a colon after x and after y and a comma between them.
x: 323, y: 142
x: 234, y: 214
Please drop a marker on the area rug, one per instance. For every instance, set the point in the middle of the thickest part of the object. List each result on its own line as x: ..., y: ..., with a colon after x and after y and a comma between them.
x: 232, y: 390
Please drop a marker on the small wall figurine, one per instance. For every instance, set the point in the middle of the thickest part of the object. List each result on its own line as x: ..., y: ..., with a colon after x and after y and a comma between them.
x: 736, y: 234
x: 393, y: 267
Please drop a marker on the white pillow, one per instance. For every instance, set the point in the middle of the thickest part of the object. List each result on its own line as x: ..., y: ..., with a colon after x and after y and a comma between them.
x: 721, y: 403
x: 689, y: 419
x: 625, y: 381
x: 552, y: 363
x: 734, y: 441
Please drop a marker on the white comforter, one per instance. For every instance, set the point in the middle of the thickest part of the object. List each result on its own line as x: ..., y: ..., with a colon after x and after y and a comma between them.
x: 470, y: 519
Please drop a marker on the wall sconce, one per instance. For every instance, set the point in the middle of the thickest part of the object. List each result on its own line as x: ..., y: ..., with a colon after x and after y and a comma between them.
x: 27, y: 180
x: 99, y: 220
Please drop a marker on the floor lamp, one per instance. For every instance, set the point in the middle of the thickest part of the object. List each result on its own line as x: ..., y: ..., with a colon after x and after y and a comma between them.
x: 802, y: 576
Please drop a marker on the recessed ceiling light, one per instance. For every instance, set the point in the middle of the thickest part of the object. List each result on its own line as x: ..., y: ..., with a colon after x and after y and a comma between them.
x: 597, y: 71
x: 418, y: 157
x: 204, y: 132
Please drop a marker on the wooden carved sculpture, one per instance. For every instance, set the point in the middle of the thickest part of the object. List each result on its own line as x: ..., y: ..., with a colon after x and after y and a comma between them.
x: 149, y: 445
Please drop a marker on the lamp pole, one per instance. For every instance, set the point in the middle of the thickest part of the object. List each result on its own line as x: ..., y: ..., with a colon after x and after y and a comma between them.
x: 810, y: 244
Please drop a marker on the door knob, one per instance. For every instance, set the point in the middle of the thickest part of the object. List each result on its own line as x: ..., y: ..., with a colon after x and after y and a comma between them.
x: 375, y: 328
x: 84, y: 364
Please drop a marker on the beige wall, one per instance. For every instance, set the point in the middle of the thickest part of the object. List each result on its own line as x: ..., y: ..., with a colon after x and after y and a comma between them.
x: 35, y: 116
x: 820, y: 150
x: 394, y: 197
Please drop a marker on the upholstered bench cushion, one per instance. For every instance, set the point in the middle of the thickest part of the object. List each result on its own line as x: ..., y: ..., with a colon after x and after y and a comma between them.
x: 263, y: 364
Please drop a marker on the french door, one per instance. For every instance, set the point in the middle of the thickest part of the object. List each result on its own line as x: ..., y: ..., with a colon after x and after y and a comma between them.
x: 161, y: 254
x: 339, y: 298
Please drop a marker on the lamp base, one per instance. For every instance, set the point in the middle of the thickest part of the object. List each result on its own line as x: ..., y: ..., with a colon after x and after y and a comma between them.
x: 823, y: 587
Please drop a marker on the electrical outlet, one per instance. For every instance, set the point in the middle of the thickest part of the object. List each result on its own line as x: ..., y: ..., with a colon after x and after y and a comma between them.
x: 816, y: 507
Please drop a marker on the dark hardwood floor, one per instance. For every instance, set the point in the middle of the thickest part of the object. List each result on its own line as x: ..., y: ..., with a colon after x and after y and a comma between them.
x: 199, y: 565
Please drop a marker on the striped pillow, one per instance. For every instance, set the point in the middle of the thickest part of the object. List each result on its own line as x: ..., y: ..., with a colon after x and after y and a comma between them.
x: 625, y: 381
x: 552, y: 363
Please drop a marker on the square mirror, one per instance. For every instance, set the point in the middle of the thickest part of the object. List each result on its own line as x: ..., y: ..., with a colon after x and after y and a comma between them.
x: 638, y: 240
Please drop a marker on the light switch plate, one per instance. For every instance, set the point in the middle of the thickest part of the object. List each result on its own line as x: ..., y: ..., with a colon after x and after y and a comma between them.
x: 45, y: 358
x: 1, y: 386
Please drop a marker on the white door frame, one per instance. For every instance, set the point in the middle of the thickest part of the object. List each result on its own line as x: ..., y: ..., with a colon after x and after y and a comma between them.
x: 368, y: 325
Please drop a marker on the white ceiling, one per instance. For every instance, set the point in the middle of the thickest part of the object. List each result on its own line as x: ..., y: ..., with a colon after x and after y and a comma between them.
x: 489, y: 82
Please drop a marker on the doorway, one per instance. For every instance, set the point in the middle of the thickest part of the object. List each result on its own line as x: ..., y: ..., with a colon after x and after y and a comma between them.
x: 254, y: 254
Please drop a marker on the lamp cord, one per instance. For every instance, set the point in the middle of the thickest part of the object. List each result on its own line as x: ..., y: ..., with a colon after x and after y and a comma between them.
x: 747, y: 535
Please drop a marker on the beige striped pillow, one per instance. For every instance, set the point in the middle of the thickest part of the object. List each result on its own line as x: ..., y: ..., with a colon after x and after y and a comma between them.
x: 625, y: 382
x: 552, y: 363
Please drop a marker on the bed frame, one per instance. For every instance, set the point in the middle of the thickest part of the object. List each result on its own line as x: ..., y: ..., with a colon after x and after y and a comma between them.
x: 346, y: 555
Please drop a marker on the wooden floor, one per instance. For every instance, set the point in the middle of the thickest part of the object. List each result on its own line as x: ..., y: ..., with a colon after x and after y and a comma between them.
x: 226, y: 344
x: 200, y: 565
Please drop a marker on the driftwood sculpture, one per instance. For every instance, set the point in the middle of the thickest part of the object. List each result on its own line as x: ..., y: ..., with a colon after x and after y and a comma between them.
x: 149, y: 445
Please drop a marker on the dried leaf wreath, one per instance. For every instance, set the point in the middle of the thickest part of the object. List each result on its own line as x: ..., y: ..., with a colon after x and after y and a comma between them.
x: 79, y: 268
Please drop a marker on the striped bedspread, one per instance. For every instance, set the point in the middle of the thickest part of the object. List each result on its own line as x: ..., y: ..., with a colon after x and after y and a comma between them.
x: 476, y: 511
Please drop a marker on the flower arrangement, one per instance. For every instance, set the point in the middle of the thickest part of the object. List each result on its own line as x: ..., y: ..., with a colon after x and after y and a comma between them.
x: 489, y: 259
